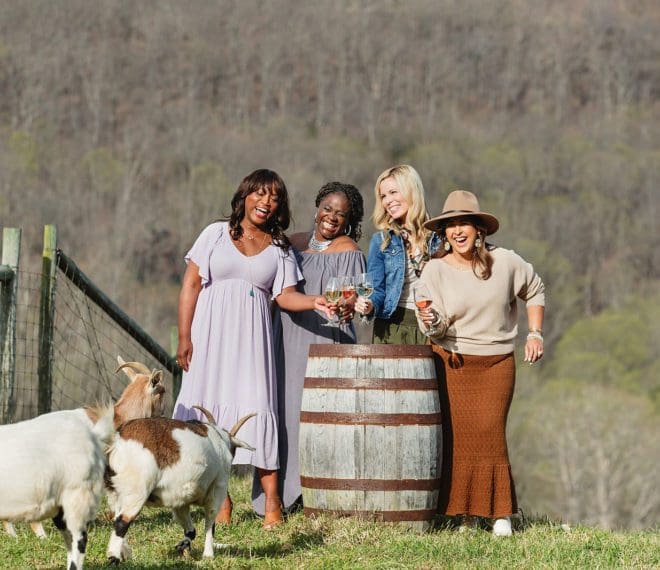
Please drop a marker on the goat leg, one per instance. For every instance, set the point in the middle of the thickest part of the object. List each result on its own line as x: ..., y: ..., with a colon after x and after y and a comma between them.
x: 74, y: 533
x: 9, y: 528
x: 118, y: 549
x: 38, y: 529
x: 60, y: 524
x: 182, y: 516
x: 211, y: 507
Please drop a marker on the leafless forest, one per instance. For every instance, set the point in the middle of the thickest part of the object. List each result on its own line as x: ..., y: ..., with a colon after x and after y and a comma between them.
x: 130, y: 124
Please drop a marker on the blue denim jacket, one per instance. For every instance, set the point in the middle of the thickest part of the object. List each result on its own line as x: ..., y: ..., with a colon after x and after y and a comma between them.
x: 387, y: 269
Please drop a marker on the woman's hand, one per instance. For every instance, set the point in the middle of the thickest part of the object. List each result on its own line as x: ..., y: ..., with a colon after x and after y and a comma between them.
x: 321, y: 304
x: 184, y: 353
x: 533, y: 348
x: 534, y: 344
x: 428, y: 315
x: 346, y: 310
x: 364, y: 306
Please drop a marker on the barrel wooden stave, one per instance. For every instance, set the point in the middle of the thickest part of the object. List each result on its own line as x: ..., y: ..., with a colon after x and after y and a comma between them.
x: 371, y: 503
x: 382, y: 452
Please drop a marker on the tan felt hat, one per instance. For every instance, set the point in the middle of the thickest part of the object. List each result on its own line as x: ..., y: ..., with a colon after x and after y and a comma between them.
x: 461, y: 203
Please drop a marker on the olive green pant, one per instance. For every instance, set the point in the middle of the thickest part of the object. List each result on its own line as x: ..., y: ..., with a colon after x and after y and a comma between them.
x: 400, y: 328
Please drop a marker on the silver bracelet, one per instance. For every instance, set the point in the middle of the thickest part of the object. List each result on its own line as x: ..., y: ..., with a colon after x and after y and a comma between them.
x: 535, y: 335
x: 438, y: 319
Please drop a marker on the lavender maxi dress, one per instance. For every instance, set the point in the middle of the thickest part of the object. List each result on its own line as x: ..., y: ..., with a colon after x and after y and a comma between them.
x: 232, y: 371
x: 292, y: 340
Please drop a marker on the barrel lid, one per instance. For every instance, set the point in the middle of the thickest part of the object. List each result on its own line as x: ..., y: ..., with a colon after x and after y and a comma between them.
x: 371, y: 350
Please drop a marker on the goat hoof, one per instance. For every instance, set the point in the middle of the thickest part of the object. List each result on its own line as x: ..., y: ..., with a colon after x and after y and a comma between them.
x: 113, y: 561
x: 183, y: 546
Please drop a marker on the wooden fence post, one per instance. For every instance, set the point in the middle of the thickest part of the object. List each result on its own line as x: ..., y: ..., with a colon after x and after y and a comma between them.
x: 11, y: 248
x: 177, y: 373
x: 46, y: 317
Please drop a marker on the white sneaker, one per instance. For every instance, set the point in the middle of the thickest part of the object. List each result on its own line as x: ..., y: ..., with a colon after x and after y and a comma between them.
x: 502, y: 527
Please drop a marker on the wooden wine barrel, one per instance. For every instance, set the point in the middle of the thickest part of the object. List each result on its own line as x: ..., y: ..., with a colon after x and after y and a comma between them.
x: 370, y: 433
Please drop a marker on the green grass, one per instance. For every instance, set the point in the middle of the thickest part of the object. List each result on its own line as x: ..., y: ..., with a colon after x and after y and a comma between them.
x: 329, y: 543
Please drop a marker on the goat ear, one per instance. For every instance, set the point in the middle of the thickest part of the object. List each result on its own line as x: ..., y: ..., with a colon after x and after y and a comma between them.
x: 156, y: 378
x: 239, y: 443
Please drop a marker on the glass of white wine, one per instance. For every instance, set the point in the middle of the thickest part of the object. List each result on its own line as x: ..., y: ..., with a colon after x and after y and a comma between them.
x: 423, y: 300
x: 333, y: 294
x: 364, y: 286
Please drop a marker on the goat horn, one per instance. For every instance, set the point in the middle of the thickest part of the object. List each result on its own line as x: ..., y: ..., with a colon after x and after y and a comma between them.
x: 239, y: 423
x: 209, y: 415
x: 137, y: 366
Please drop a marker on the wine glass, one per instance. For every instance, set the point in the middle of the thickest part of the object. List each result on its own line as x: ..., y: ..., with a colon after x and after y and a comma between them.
x: 423, y: 300
x: 347, y: 289
x: 364, y: 286
x: 333, y: 294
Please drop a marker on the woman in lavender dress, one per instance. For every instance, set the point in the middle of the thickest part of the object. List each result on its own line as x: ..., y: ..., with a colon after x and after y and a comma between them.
x: 329, y: 250
x: 225, y: 347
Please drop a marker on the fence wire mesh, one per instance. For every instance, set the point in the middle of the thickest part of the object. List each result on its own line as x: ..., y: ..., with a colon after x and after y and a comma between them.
x: 84, y: 350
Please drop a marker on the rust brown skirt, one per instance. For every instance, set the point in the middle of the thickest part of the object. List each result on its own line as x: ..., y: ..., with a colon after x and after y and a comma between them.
x: 475, y: 395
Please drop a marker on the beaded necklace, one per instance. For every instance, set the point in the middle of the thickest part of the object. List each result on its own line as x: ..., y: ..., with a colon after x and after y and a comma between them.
x: 316, y: 245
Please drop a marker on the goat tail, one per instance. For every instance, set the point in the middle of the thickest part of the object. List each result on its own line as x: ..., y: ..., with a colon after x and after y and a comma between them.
x: 104, y: 425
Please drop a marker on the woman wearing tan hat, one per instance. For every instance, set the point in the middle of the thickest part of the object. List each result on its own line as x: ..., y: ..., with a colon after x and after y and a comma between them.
x: 474, y: 287
x: 397, y: 255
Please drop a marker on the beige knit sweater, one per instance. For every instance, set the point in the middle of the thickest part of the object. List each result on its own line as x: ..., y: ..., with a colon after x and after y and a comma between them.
x: 482, y: 314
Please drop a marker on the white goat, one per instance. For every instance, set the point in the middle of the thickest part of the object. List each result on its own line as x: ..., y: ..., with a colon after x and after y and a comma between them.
x: 169, y: 463
x: 52, y: 466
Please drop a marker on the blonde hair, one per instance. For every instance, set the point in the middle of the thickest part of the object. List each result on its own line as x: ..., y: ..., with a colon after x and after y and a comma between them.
x: 410, y: 186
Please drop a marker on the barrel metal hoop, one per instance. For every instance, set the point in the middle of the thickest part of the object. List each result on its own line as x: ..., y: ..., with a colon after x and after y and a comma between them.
x: 394, y: 384
x: 381, y: 516
x: 370, y: 419
x: 370, y: 484
x: 393, y: 351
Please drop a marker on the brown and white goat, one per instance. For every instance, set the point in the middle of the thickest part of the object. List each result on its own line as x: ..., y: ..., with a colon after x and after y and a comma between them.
x: 52, y: 466
x: 169, y: 463
x: 143, y: 397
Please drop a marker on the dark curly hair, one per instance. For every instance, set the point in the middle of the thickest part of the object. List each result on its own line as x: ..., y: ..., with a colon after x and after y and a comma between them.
x: 482, y: 260
x: 354, y: 198
x: 278, y: 222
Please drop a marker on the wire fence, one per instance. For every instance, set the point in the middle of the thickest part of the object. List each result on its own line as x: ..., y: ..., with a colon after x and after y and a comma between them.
x: 83, y: 353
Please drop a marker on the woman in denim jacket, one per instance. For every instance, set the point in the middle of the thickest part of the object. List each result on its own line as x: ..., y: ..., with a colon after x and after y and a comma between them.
x: 397, y: 255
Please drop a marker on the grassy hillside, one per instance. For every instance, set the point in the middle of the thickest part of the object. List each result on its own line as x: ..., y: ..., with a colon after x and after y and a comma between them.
x: 344, y: 543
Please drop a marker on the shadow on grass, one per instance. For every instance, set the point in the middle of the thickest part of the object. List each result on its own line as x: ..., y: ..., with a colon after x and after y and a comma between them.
x: 290, y: 544
x: 162, y: 565
x: 279, y: 544
x: 520, y: 522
